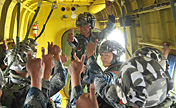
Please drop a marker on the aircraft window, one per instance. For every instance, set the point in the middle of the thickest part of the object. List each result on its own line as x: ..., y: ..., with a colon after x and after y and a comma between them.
x: 117, y: 35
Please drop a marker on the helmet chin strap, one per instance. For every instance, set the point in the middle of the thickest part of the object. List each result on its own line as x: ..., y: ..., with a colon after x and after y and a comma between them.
x: 115, y: 59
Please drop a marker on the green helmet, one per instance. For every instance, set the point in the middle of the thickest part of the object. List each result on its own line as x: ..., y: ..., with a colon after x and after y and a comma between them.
x: 114, y: 47
x: 32, y: 43
x: 85, y: 19
x: 20, y: 63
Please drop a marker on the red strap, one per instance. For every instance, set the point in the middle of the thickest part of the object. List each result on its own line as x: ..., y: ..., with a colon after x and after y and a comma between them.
x: 122, y: 102
x: 114, y: 71
x: 77, y: 49
x: 3, y: 66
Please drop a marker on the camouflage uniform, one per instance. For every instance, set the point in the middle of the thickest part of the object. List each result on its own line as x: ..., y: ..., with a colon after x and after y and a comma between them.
x: 80, y: 42
x: 17, y: 87
x: 109, y: 74
x: 35, y: 99
x: 94, y: 70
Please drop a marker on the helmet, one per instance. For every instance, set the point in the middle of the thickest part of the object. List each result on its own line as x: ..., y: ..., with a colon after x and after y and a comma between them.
x: 155, y: 54
x: 114, y: 47
x: 85, y: 19
x: 2, y: 80
x: 32, y: 43
x: 141, y: 82
x: 20, y: 63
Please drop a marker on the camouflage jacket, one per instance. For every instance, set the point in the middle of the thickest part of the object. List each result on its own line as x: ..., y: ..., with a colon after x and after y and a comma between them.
x: 35, y: 99
x: 80, y: 43
x: 17, y: 87
x: 94, y: 70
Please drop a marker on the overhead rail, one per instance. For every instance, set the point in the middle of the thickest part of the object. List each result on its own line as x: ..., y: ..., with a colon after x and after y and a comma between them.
x: 8, y: 41
x: 155, y: 7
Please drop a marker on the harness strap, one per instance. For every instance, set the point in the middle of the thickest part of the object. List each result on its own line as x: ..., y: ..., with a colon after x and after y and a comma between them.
x: 53, y: 6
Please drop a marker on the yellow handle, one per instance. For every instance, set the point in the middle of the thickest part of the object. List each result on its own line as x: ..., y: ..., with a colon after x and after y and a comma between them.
x: 8, y: 41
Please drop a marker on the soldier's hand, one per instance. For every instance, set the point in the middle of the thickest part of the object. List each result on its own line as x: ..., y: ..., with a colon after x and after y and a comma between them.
x: 57, y: 51
x: 64, y: 58
x: 88, y: 100
x: 76, y: 66
x: 108, y: 6
x: 75, y: 69
x: 166, y: 49
x: 71, y: 36
x: 34, y: 68
x: 4, y: 45
x: 0, y: 93
x: 50, y: 48
x: 91, y: 47
x: 48, y: 63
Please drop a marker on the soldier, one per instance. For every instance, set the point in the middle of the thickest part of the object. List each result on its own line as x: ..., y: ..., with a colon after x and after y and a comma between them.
x: 110, y: 52
x: 86, y: 22
x: 141, y: 82
x: 171, y: 58
x: 36, y: 97
x: 18, y: 83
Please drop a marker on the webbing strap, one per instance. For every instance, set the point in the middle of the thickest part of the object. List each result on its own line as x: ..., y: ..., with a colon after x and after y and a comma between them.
x: 46, y: 22
x: 33, y: 19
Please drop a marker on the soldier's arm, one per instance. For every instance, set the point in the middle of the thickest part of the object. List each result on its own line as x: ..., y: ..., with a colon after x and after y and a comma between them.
x: 76, y: 92
x: 95, y: 70
x: 75, y: 70
x: 58, y: 79
x: 35, y: 99
x: 110, y: 26
x: 107, y: 92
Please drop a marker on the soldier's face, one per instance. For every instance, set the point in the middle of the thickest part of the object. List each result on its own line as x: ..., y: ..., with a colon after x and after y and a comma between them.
x: 84, y: 30
x: 106, y: 58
